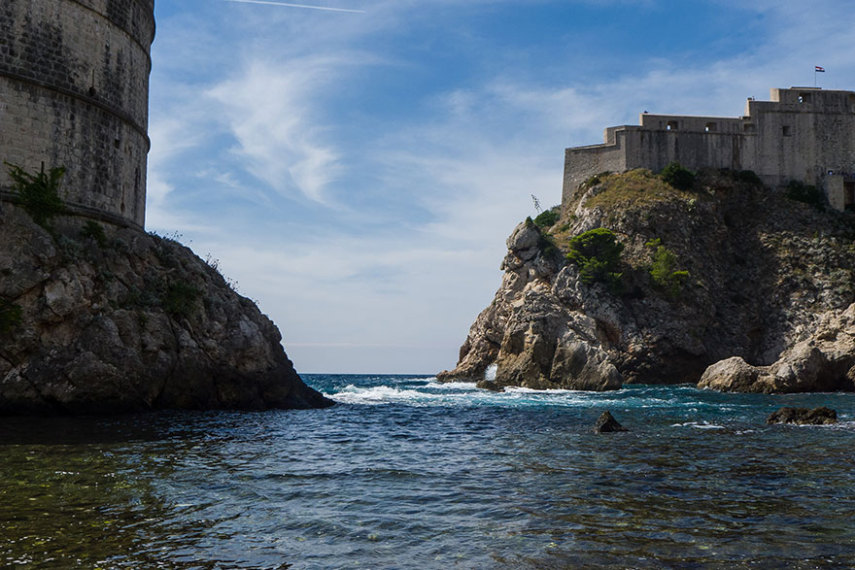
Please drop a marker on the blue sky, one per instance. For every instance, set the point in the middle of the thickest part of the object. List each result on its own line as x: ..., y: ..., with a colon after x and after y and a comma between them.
x: 357, y: 173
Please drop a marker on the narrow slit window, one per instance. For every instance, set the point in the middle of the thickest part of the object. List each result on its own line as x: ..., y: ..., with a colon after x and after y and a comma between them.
x: 671, y: 126
x: 787, y: 131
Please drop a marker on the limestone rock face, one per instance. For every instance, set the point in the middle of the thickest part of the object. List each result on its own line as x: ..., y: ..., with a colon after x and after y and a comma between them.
x: 535, y: 340
x: 136, y: 322
x: 825, y: 361
x: 766, y: 306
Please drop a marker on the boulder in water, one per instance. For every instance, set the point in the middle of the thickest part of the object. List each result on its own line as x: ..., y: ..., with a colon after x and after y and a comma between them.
x: 606, y: 423
x: 803, y: 416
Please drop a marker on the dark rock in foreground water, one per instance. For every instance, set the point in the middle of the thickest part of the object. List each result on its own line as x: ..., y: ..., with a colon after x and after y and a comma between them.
x: 118, y: 320
x: 606, y: 423
x: 803, y: 416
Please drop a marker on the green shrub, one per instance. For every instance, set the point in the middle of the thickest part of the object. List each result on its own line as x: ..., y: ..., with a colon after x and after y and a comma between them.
x: 597, y: 253
x: 547, y: 245
x: 180, y: 299
x: 678, y: 177
x: 663, y: 270
x: 95, y: 231
x: 806, y: 193
x: 38, y: 193
x: 10, y: 316
x: 548, y: 218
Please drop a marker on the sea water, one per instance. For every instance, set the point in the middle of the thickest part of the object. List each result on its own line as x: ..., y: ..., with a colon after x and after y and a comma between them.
x: 409, y: 473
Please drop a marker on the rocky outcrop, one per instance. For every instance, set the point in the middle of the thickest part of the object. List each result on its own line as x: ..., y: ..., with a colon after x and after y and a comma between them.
x: 606, y: 423
x: 535, y: 339
x: 803, y: 416
x: 825, y: 361
x: 95, y: 321
x: 769, y: 283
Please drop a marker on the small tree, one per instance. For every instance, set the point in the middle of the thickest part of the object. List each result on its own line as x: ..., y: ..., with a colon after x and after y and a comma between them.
x: 38, y: 193
x: 664, y: 269
x: 597, y: 253
x: 547, y: 218
x: 678, y: 177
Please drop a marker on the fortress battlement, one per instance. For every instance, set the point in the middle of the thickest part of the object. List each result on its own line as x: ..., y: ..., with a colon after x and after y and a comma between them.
x: 74, y: 78
x: 801, y: 133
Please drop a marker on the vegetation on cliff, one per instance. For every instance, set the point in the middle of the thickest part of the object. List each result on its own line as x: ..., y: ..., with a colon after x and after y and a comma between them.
x: 38, y: 193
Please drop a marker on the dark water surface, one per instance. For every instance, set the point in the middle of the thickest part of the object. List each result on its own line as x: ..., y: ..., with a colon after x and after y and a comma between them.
x: 406, y: 473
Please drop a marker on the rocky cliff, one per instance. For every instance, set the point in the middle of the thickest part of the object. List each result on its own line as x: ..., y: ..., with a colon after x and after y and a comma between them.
x: 756, y: 276
x: 96, y: 319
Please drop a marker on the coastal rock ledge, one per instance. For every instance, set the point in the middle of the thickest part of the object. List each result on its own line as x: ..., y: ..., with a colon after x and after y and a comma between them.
x: 97, y: 319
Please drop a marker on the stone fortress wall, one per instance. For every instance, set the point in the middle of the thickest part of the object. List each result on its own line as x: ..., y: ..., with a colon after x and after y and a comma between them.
x: 802, y: 133
x: 74, y: 80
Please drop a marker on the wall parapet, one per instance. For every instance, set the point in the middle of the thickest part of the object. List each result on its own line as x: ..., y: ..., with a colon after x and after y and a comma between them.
x: 800, y: 134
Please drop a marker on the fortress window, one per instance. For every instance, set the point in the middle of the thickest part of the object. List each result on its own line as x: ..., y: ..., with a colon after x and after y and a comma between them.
x: 671, y: 126
x: 710, y: 127
x: 804, y: 97
x: 787, y: 131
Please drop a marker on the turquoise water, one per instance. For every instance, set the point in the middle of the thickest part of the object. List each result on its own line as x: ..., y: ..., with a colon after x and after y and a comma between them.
x: 408, y: 473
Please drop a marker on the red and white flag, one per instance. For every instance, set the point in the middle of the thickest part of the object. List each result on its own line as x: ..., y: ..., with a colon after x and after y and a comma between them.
x: 819, y: 69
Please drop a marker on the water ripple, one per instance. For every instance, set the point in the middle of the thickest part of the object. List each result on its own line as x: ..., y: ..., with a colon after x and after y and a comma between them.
x: 410, y: 473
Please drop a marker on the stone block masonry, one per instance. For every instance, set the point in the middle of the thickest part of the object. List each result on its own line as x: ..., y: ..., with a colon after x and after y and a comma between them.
x: 803, y: 133
x: 74, y: 80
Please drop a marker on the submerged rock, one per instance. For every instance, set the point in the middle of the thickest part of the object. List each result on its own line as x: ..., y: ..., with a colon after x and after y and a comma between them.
x: 127, y: 321
x: 803, y: 416
x: 606, y: 423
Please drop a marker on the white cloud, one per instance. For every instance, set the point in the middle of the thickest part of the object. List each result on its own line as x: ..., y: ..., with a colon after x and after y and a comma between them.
x: 270, y: 108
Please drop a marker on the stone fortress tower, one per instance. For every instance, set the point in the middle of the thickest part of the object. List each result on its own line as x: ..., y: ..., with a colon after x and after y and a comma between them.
x: 803, y: 133
x: 74, y: 80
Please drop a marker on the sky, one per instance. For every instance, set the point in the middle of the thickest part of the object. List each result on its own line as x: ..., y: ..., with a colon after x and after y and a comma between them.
x: 356, y: 169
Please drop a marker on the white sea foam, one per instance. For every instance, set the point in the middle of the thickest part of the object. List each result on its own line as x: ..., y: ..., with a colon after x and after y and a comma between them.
x: 699, y: 425
x: 433, y: 393
x: 428, y: 391
x: 521, y: 390
x: 376, y: 395
x: 490, y: 373
x: 433, y: 383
